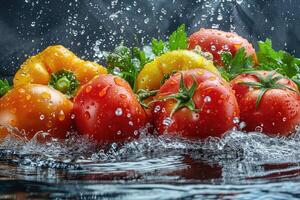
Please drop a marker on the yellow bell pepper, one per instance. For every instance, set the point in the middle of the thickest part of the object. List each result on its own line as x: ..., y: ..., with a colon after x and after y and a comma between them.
x: 39, y: 68
x: 153, y: 73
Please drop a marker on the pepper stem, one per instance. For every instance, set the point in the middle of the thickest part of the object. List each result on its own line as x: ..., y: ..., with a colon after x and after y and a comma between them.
x: 65, y: 82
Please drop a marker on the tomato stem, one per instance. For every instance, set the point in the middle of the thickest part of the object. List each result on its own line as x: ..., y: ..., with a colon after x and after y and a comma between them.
x: 184, y: 97
x: 265, y: 84
x: 145, y: 94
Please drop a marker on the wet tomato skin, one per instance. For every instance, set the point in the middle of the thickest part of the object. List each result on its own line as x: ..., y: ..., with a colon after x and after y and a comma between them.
x: 32, y: 108
x: 278, y: 112
x: 107, y: 109
x: 215, y: 41
x: 213, y: 96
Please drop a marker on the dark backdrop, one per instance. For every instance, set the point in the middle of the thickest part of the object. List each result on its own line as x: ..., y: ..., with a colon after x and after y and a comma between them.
x: 89, y: 27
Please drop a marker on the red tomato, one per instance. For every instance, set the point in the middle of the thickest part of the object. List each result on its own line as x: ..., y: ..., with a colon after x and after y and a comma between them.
x: 107, y: 109
x: 278, y: 110
x: 215, y: 107
x: 32, y: 108
x: 216, y: 41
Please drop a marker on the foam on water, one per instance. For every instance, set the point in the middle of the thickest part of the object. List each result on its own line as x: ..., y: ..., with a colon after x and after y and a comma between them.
x: 77, y: 150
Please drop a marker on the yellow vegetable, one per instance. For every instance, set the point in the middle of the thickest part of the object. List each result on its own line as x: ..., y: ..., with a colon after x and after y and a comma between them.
x: 38, y: 69
x: 153, y: 73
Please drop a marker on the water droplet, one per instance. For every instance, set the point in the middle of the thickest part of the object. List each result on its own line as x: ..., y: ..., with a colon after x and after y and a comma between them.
x: 28, y: 97
x: 119, y: 112
x: 103, y: 91
x: 118, y: 81
x: 46, y: 95
x: 135, y: 132
x: 33, y: 24
x: 49, y: 124
x: 42, y: 117
x: 207, y: 99
x: 130, y: 123
x: 284, y: 119
x: 146, y: 20
x: 213, y: 47
x: 128, y: 115
x: 239, y: 1
x: 61, y: 115
x: 242, y: 125
x: 156, y: 109
x: 88, y: 89
x: 73, y: 116
x: 225, y: 47
x: 123, y: 96
x: 116, y: 71
x: 119, y: 132
x: 167, y: 121
x: 259, y: 129
x: 220, y: 17
x: 236, y: 120
x: 87, y: 115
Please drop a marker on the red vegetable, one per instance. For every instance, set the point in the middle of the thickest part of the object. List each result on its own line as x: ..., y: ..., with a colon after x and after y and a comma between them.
x: 216, y: 41
x: 107, y: 109
x: 195, y: 104
x: 268, y: 102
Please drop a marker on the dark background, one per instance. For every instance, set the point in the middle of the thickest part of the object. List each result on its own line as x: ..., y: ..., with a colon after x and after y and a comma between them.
x: 89, y: 27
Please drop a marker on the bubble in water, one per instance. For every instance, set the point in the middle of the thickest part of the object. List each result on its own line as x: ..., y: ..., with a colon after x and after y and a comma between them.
x: 130, y: 123
x: 146, y: 20
x: 167, y: 121
x: 119, y: 112
x: 119, y: 132
x: 114, y: 145
x: 239, y: 1
x: 33, y: 24
x: 207, y: 99
x: 135, y: 132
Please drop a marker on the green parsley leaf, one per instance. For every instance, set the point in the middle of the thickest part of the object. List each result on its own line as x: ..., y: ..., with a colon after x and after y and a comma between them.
x: 178, y: 39
x: 158, y: 47
x: 4, y: 87
x: 280, y: 61
x: 233, y: 66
